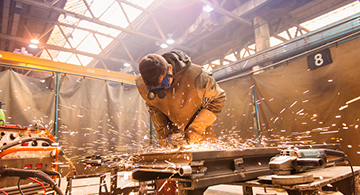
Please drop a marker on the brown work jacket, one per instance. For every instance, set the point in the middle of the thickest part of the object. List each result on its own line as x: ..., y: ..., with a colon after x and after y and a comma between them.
x: 191, y: 90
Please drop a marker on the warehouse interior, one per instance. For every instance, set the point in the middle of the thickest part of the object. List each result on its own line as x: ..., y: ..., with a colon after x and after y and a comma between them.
x: 73, y: 121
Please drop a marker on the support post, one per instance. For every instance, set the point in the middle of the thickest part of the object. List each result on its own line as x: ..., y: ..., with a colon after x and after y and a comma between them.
x: 262, y: 34
x: 256, y: 120
x: 151, y: 131
x: 56, y: 106
x: 114, y: 180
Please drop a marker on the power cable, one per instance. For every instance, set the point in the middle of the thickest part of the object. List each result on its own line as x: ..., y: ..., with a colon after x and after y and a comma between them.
x: 51, y: 172
x: 1, y: 191
x: 32, y: 179
x: 13, y: 172
x: 19, y: 188
x: 353, y: 174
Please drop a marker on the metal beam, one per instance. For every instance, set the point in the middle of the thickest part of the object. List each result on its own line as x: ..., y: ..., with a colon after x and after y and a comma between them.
x: 125, y: 14
x: 88, y: 8
x: 31, y: 63
x: 137, y: 23
x: 97, y: 21
x: 4, y: 23
x: 15, y: 24
x: 67, y: 25
x: 239, y: 11
x: 228, y: 13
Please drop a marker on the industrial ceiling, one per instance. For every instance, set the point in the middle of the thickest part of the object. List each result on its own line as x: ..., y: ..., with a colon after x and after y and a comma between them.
x: 205, y: 36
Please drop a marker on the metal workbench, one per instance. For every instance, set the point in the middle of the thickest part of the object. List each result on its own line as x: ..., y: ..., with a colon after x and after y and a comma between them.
x: 336, y: 178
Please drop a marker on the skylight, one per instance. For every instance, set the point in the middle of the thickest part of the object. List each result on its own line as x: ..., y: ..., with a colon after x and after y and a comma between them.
x: 90, y: 37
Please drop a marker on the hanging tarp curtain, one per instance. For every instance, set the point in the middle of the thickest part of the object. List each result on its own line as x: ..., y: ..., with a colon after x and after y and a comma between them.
x: 94, y: 116
x: 235, y: 123
x: 98, y: 118
x: 295, y: 105
x: 28, y: 101
x: 298, y: 105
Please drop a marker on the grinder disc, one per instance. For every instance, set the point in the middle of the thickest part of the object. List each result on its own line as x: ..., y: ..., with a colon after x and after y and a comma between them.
x: 292, y: 179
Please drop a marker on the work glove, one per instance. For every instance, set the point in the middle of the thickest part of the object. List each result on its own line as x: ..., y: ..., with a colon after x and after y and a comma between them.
x: 162, y: 127
x: 176, y: 139
x: 196, y: 130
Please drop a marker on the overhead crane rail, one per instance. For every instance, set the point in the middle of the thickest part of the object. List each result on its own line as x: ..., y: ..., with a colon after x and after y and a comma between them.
x: 34, y: 63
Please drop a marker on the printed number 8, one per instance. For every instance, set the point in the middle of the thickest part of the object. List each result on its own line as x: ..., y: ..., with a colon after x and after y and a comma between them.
x: 318, y: 59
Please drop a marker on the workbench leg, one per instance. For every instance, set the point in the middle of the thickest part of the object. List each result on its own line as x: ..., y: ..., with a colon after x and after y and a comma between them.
x: 346, y: 186
x: 114, y: 180
x: 247, y: 190
x: 192, y: 192
x: 357, y: 184
x: 183, y: 189
x: 69, y: 186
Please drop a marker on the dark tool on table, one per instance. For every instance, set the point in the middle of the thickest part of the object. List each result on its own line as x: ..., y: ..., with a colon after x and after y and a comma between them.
x: 299, y: 160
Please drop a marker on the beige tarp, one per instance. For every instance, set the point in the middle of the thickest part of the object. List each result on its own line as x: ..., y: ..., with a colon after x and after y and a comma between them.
x: 236, y: 119
x: 301, y: 106
x: 27, y: 100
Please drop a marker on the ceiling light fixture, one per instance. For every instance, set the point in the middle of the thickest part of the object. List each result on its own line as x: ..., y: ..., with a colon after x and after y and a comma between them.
x: 164, y: 46
x: 170, y: 41
x: 127, y: 65
x: 34, y: 41
x: 33, y: 46
x: 208, y: 8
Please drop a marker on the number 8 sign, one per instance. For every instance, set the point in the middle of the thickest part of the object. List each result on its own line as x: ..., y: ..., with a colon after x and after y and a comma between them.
x: 320, y: 58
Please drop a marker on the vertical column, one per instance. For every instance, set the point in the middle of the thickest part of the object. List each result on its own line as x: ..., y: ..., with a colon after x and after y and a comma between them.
x: 262, y: 34
x: 151, y: 131
x: 56, y: 107
x: 262, y: 41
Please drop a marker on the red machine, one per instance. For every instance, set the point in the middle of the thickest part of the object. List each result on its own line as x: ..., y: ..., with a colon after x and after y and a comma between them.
x: 27, y: 153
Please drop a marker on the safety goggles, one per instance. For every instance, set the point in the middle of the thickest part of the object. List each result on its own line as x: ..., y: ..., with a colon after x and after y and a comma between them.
x: 159, y: 90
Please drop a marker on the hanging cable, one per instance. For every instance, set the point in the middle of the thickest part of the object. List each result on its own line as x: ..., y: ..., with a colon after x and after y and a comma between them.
x: 52, y: 173
x: 1, y: 191
x: 32, y: 179
x: 353, y: 174
x: 19, y: 188
x: 23, y: 174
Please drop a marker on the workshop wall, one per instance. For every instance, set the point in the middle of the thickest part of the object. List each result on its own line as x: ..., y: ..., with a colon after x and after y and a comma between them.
x: 303, y: 106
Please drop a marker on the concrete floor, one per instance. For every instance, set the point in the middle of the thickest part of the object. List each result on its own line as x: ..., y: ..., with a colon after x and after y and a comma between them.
x: 237, y: 190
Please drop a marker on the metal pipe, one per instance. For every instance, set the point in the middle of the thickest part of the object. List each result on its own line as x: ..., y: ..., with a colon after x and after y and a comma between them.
x: 56, y: 105
x: 185, y: 171
x: 151, y: 131
x: 257, y: 129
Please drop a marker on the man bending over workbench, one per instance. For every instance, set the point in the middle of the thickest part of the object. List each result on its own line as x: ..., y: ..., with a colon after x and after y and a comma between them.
x: 183, y: 99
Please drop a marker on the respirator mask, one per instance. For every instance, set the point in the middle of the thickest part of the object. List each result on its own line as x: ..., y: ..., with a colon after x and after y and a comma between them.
x: 159, y: 89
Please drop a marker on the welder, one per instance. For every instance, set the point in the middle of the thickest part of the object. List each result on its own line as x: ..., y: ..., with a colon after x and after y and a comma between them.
x: 182, y: 98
